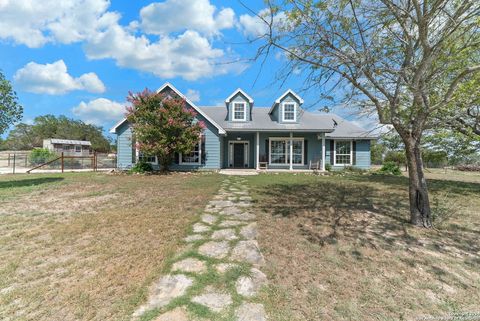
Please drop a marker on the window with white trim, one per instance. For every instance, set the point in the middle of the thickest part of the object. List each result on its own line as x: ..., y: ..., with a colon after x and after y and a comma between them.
x: 280, y: 151
x: 343, y: 152
x: 289, y: 112
x: 78, y: 148
x: 194, y: 157
x: 239, y: 111
x: 147, y: 158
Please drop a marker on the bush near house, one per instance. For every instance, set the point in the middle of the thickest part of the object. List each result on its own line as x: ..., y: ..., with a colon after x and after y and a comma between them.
x: 390, y: 168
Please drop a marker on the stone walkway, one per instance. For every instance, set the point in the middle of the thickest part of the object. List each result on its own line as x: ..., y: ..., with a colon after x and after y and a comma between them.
x: 217, y: 275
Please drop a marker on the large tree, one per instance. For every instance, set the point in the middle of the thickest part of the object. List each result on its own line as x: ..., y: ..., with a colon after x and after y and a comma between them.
x: 28, y: 136
x: 10, y: 110
x: 403, y: 59
x: 163, y: 125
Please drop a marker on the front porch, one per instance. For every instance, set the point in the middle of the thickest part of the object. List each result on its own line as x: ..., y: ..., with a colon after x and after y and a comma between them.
x: 274, y: 151
x: 252, y: 171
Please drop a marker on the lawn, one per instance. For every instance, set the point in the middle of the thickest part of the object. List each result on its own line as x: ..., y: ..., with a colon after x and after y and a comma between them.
x: 340, y: 247
x: 86, y: 246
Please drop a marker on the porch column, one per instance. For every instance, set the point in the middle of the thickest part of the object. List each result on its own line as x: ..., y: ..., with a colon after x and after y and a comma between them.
x: 323, y: 151
x: 291, y: 151
x: 257, y: 152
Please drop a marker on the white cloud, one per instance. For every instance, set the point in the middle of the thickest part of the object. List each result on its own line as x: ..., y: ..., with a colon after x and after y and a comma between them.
x: 189, y: 55
x: 182, y: 45
x: 35, y: 23
x: 99, y: 111
x: 162, y: 18
x: 254, y: 26
x: 193, y: 95
x: 54, y: 79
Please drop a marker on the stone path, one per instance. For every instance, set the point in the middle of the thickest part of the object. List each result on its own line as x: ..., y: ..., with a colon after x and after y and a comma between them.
x: 217, y: 275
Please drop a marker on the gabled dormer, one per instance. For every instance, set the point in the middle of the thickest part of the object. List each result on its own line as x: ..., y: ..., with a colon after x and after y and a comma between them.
x: 239, y: 106
x: 287, y: 108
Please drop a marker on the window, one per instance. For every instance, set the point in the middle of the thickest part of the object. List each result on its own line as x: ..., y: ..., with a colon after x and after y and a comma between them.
x: 239, y: 111
x: 280, y: 151
x: 194, y: 157
x: 343, y: 153
x: 78, y: 148
x: 289, y: 112
x: 67, y: 148
x: 147, y: 158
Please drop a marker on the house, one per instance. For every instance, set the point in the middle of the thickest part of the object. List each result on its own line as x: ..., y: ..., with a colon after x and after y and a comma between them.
x: 241, y: 135
x: 68, y: 147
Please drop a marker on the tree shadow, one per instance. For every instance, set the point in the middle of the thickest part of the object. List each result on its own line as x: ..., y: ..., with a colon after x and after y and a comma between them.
x: 29, y: 182
x: 445, y: 185
x: 367, y: 215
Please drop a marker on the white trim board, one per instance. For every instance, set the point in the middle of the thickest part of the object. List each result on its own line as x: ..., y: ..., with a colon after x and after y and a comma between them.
x: 295, y: 111
x: 238, y: 90
x: 246, y: 152
x: 244, y: 110
x: 221, y: 131
x: 270, y: 139
x: 279, y: 99
x: 335, y: 152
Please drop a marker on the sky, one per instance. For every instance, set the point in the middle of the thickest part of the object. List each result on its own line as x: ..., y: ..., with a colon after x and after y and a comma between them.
x: 80, y: 58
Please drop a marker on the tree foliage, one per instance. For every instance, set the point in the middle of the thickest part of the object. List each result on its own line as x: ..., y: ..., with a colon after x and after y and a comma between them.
x: 163, y: 125
x: 10, y: 110
x: 27, y: 136
x: 406, y: 61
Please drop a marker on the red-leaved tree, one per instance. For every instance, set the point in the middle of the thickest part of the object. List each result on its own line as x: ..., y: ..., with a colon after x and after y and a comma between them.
x: 163, y: 125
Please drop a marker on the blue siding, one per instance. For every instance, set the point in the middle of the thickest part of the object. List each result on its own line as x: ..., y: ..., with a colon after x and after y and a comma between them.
x: 212, y: 150
x: 362, y: 154
x: 232, y: 136
x: 277, y: 110
x: 314, y: 148
x: 125, y: 153
x: 239, y: 97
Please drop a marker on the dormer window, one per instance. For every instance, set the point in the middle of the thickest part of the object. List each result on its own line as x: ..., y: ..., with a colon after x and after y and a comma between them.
x: 289, y: 112
x: 239, y: 111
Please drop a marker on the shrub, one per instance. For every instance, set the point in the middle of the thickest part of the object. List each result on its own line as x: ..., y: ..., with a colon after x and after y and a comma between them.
x: 397, y: 157
x: 328, y: 167
x: 141, y: 167
x: 41, y: 155
x: 390, y: 168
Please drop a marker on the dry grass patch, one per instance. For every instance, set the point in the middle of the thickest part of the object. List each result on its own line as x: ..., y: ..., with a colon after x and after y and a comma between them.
x: 340, y: 248
x: 87, y: 246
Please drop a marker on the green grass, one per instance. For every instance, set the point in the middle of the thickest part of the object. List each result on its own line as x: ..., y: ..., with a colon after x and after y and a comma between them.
x: 87, y: 246
x: 347, y: 252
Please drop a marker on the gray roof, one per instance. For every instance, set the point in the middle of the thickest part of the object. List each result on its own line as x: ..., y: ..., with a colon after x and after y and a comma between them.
x: 70, y: 142
x: 308, y: 122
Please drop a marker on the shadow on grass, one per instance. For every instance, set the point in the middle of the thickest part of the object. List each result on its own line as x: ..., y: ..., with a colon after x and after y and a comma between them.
x: 29, y: 182
x: 445, y: 185
x: 357, y: 212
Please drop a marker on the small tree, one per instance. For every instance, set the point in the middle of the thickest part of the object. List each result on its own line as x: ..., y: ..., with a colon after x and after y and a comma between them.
x: 10, y: 110
x: 163, y: 125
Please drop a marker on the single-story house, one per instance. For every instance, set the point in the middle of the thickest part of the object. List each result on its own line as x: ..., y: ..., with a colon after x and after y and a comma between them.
x: 241, y: 135
x: 68, y: 147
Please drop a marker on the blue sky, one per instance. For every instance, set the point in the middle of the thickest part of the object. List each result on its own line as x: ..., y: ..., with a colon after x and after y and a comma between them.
x: 81, y: 57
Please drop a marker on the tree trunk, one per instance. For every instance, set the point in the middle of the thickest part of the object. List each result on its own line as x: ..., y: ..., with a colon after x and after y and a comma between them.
x: 420, y: 214
x: 165, y: 161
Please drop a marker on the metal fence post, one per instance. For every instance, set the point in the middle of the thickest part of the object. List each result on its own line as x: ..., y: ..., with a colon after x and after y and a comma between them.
x: 14, y: 163
x: 63, y: 165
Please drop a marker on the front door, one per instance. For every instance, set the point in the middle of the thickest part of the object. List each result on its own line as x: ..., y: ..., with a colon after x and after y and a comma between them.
x: 239, y: 155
